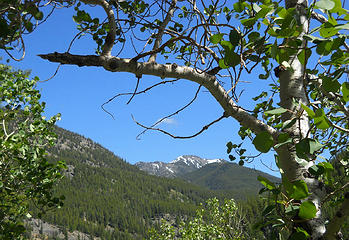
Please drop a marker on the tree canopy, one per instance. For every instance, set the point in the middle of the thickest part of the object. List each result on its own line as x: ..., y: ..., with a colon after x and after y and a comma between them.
x: 26, y: 176
x: 298, y: 49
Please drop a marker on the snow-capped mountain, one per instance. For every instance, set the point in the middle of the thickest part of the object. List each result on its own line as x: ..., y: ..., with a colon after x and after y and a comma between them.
x: 181, y: 165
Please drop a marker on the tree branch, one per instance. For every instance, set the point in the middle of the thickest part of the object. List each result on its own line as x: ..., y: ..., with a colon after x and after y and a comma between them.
x: 115, y: 64
x: 323, y: 19
x: 172, y: 114
x: 204, y: 128
x: 158, y: 39
x: 110, y: 39
x: 338, y: 219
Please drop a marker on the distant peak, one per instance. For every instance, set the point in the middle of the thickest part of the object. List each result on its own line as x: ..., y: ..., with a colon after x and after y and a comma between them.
x: 184, y: 158
x: 197, y: 162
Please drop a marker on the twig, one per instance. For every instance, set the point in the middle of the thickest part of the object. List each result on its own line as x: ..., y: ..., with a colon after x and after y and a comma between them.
x: 140, y: 92
x: 182, y: 137
x: 174, y: 113
x: 135, y: 91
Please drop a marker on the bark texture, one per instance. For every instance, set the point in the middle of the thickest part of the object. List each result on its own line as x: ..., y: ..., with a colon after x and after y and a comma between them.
x: 292, y: 89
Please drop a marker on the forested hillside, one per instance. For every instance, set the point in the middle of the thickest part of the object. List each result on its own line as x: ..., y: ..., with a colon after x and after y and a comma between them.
x: 111, y: 199
x: 226, y: 176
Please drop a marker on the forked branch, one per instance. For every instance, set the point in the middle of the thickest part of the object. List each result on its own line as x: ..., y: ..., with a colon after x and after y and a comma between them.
x: 204, y: 128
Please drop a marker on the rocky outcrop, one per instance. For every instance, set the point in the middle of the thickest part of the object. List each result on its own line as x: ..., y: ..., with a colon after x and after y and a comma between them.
x: 40, y: 230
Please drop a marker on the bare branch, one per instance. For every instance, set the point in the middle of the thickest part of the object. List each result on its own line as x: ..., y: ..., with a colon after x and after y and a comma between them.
x: 140, y: 92
x: 204, y: 128
x: 135, y: 91
x: 174, y: 113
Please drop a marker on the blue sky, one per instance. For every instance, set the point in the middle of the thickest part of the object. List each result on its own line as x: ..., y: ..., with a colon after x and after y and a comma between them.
x: 78, y: 93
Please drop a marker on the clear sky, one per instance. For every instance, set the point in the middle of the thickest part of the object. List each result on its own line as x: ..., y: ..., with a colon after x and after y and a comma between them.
x: 78, y: 93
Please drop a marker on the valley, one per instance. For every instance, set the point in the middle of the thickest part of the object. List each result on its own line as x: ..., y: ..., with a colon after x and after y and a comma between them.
x: 108, y: 198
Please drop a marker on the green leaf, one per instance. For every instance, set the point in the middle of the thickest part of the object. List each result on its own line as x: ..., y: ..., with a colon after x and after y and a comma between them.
x: 345, y: 91
x: 266, y: 182
x: 314, y: 146
x: 325, y: 4
x: 239, y: 6
x: 234, y: 37
x: 307, y: 210
x: 222, y: 64
x: 324, y: 47
x: 316, y: 170
x: 264, y: 11
x: 253, y: 36
x: 338, y: 8
x: 228, y: 47
x: 39, y: 15
x: 275, y: 111
x: 328, y: 166
x: 291, y: 209
x: 310, y: 112
x: 232, y: 158
x: 215, y: 39
x: 307, y: 146
x: 283, y: 138
x: 300, y: 234
x: 330, y: 85
x: 268, y: 209
x: 328, y: 30
x: 248, y: 22
x: 304, y: 55
x: 263, y: 142
x: 297, y: 190
x: 288, y: 123
x: 229, y: 147
x: 320, y: 120
x: 232, y: 59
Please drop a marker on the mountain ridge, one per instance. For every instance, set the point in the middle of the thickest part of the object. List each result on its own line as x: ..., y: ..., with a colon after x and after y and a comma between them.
x: 177, y: 167
x: 214, y: 174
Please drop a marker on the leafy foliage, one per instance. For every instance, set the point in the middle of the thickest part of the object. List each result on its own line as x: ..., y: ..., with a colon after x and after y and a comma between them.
x: 309, y: 59
x: 22, y: 17
x: 212, y: 221
x: 25, y: 174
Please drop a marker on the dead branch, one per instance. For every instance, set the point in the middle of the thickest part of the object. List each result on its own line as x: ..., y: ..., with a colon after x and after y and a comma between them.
x: 204, y: 128
x: 140, y: 92
x: 172, y: 114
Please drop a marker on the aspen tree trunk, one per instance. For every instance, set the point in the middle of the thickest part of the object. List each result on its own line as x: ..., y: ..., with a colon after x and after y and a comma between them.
x: 292, y: 89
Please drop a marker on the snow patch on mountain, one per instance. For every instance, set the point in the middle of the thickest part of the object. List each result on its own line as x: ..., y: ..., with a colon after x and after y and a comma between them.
x: 181, y: 165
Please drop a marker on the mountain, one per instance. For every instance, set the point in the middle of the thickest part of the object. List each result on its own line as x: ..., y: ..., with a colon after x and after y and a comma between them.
x: 214, y: 174
x: 227, y: 176
x: 108, y: 198
x: 178, y: 167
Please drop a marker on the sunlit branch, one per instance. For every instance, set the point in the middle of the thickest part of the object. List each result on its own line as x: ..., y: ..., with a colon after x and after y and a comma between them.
x: 115, y: 64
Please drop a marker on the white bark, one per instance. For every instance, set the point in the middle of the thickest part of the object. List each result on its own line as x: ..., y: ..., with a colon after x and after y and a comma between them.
x: 292, y: 88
